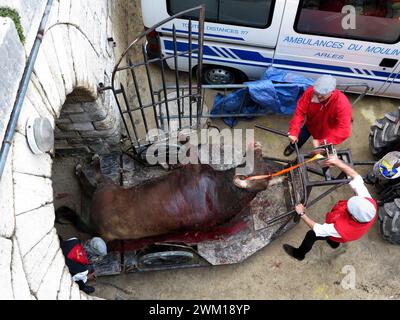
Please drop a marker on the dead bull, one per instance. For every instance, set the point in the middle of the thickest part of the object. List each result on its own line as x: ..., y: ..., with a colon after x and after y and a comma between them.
x: 194, y: 197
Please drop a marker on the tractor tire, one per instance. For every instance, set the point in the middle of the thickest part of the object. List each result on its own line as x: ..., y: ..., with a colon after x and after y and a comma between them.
x: 385, y: 135
x: 389, y: 221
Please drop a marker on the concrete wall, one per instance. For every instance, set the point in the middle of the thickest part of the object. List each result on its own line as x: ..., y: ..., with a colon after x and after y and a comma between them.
x: 74, y: 58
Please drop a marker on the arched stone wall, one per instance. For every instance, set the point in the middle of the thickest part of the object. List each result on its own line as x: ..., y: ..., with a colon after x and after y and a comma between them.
x: 74, y: 58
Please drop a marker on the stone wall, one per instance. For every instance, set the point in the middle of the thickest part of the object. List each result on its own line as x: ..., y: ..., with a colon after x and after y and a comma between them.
x: 74, y: 58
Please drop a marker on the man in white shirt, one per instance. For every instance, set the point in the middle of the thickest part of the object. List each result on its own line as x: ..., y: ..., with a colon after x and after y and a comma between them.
x: 347, y: 221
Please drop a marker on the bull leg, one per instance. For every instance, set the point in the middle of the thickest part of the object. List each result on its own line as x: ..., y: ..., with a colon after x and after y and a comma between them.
x: 97, y: 169
x: 89, y: 183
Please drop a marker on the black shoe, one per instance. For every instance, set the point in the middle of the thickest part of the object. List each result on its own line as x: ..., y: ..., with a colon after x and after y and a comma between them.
x: 371, y: 179
x: 291, y: 252
x: 288, y: 150
x: 88, y: 289
x: 333, y: 244
x: 84, y: 287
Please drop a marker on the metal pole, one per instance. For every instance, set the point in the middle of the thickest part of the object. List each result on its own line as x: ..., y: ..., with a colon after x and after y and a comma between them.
x: 364, y: 163
x: 308, y: 204
x: 200, y: 43
x: 150, y: 84
x: 279, y: 132
x: 178, y: 99
x: 23, y: 87
x: 190, y: 71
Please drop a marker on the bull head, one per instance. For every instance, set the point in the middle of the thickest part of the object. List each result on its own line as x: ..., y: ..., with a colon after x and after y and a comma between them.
x: 259, y: 167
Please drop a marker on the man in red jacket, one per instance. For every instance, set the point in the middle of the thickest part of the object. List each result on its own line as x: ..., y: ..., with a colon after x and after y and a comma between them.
x: 348, y: 220
x: 327, y: 113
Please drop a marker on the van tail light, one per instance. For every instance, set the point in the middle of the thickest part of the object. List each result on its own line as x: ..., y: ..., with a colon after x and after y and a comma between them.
x: 153, y: 34
x: 153, y: 44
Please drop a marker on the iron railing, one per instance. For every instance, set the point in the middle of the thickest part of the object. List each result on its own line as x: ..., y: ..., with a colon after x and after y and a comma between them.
x: 139, y: 120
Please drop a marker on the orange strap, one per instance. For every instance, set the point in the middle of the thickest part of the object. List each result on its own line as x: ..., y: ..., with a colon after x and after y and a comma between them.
x: 269, y: 176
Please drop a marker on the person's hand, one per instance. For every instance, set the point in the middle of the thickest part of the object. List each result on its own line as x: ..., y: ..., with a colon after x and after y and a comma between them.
x: 300, y: 209
x: 91, y: 276
x: 293, y: 139
x: 316, y: 143
x: 333, y: 160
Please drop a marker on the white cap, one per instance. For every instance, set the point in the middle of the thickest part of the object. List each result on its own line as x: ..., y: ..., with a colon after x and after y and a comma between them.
x: 325, y: 85
x: 361, y: 209
x: 99, y: 246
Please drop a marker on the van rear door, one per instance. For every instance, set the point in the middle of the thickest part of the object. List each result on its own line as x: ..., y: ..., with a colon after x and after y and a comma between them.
x: 317, y: 38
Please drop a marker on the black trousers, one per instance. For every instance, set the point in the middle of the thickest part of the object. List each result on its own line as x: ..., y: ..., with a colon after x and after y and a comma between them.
x: 309, y: 241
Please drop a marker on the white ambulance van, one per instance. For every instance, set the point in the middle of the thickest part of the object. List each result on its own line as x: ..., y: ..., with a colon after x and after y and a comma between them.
x: 244, y: 37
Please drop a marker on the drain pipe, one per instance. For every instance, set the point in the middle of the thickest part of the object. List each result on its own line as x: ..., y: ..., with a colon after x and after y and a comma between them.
x: 12, y: 124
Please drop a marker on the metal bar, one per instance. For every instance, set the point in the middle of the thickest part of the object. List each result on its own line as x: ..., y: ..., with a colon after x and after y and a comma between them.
x: 323, y: 195
x: 227, y: 115
x: 23, y: 87
x: 202, y: 102
x: 327, y: 183
x: 129, y: 113
x: 183, y: 101
x: 150, y: 84
x: 242, y: 102
x: 361, y: 96
x: 124, y: 121
x: 190, y: 71
x: 210, y: 86
x: 155, y: 60
x: 308, y: 205
x: 165, y: 92
x: 145, y: 33
x: 207, y: 115
x: 222, y: 107
x: 364, y: 163
x: 176, y: 75
x: 347, y: 86
x: 303, y: 174
x: 315, y: 171
x: 277, y: 159
x: 341, y: 175
x: 224, y: 86
x: 158, y: 103
x: 279, y: 132
x: 200, y: 61
x: 139, y: 97
x: 168, y: 87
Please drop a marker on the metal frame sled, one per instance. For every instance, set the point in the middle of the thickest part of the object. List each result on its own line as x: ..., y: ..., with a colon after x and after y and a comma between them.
x: 269, y: 215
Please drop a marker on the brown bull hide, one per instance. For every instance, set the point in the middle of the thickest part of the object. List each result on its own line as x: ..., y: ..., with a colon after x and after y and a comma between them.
x: 192, y: 198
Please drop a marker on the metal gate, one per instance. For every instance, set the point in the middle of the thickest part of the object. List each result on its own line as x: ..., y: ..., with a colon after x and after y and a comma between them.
x: 150, y: 109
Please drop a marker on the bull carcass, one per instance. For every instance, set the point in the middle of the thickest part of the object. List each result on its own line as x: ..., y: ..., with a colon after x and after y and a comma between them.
x: 194, y: 197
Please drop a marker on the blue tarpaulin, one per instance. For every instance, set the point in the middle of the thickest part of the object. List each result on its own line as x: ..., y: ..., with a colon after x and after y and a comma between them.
x: 277, y: 92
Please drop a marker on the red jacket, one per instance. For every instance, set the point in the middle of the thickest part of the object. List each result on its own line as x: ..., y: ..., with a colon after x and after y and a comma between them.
x: 330, y: 122
x: 348, y: 229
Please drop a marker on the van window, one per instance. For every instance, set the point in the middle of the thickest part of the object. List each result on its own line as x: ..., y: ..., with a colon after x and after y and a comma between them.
x: 176, y: 6
x: 376, y: 20
x: 249, y: 13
